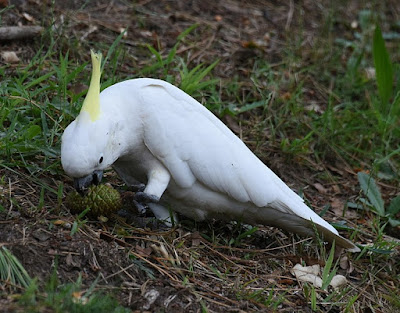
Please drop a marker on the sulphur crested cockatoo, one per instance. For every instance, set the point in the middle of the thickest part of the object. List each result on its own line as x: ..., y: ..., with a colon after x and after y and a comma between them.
x: 155, y: 135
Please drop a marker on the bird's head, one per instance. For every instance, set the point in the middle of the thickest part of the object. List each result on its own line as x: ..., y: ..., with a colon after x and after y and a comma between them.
x: 85, y: 148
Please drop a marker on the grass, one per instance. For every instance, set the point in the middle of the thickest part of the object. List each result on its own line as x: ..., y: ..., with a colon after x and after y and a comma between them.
x: 317, y: 105
x: 67, y: 298
x: 11, y: 270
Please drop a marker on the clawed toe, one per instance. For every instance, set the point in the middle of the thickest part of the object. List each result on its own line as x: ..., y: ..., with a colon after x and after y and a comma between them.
x: 142, y: 208
x: 137, y: 187
x: 143, y: 197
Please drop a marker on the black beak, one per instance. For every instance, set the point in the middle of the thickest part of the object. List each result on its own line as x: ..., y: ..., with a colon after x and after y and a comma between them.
x: 82, y: 183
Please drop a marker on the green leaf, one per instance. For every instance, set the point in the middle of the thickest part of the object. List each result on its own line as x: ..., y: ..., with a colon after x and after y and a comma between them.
x: 394, y: 222
x: 383, y: 68
x: 394, y: 206
x: 156, y: 54
x: 113, y: 47
x: 253, y: 105
x: 371, y: 191
x: 186, y: 32
x: 247, y: 233
x: 191, y: 81
x: 32, y: 131
x: 39, y: 80
x: 313, y: 299
x: 11, y: 270
x: 327, y: 274
x: 395, y: 109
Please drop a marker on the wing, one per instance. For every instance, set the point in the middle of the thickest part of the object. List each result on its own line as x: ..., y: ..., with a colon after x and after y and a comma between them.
x: 195, y: 145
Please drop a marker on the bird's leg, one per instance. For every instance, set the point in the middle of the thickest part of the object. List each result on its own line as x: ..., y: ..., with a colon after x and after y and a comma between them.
x: 163, y: 214
x: 142, y: 196
x: 158, y: 180
x: 137, y: 187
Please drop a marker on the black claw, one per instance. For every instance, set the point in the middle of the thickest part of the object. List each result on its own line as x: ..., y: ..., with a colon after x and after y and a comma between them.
x: 143, y: 197
x: 137, y: 187
x: 142, y: 208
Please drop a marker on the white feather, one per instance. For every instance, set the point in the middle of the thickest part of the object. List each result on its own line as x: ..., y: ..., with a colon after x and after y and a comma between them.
x: 209, y: 171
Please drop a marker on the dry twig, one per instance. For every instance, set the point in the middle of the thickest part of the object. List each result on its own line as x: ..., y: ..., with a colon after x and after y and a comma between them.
x: 19, y: 32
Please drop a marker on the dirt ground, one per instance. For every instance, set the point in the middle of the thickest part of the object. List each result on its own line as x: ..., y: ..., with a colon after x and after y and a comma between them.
x: 139, y: 265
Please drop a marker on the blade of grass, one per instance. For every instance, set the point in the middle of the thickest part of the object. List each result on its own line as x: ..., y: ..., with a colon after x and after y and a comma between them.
x: 384, y: 70
x: 11, y: 270
x: 327, y: 274
x: 371, y: 190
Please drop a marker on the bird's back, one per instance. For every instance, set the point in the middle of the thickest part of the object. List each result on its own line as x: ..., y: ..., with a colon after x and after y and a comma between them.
x: 213, y: 171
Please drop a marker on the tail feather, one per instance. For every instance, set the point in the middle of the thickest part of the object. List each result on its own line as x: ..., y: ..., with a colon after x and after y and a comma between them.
x: 339, y: 240
x: 308, y: 223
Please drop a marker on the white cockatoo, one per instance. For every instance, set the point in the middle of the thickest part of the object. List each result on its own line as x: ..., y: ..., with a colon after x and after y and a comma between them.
x: 156, y: 136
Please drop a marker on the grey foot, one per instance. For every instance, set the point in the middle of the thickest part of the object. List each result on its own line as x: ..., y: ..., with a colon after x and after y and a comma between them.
x: 141, y: 201
x: 137, y: 187
x: 142, y: 208
x: 145, y: 197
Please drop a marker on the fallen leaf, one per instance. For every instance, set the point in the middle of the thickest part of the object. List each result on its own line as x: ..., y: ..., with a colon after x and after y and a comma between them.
x: 146, y: 33
x: 218, y: 18
x: 77, y: 294
x: 41, y: 235
x: 10, y: 57
x: 346, y: 264
x: 79, y: 298
x: 196, y: 239
x: 354, y: 24
x: 151, y: 296
x: 123, y: 29
x: 308, y: 274
x: 67, y: 225
x: 68, y: 260
x: 337, y: 206
x: 370, y: 73
x: 336, y: 189
x: 251, y: 44
x: 311, y: 274
x: 338, y: 281
x: 143, y: 251
x: 335, y: 169
x: 59, y: 222
x: 103, y: 219
x: 313, y: 106
x: 320, y: 188
x: 52, y: 252
x: 28, y: 17
x: 286, y: 281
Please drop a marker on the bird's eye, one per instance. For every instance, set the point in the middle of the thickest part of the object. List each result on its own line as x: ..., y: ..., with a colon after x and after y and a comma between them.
x: 101, y: 160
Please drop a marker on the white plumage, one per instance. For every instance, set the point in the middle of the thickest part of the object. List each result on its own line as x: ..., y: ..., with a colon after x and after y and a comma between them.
x: 153, y: 133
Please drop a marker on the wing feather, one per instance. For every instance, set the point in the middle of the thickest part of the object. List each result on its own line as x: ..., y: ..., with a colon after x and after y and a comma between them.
x: 194, y: 146
x: 192, y: 142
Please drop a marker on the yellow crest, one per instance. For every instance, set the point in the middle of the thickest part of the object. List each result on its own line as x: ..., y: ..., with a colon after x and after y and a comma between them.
x: 91, y: 104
